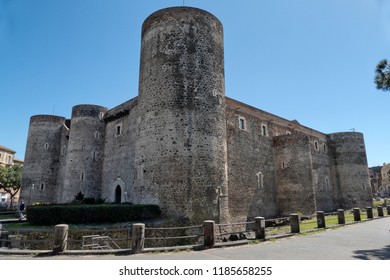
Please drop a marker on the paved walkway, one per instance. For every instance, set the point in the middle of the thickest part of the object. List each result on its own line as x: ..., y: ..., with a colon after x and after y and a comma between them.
x: 367, y: 240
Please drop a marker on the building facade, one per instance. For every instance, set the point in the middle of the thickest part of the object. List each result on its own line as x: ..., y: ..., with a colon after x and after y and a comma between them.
x: 183, y: 145
x: 380, y: 180
x: 7, y: 158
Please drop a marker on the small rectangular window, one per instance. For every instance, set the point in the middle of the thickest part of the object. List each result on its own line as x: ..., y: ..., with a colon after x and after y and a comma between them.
x: 118, y: 130
x: 241, y: 123
x: 264, y: 130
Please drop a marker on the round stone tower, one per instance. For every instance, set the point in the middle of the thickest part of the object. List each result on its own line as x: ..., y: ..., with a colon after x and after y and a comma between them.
x: 85, y: 153
x: 181, y: 147
x: 41, y: 163
x: 351, y: 169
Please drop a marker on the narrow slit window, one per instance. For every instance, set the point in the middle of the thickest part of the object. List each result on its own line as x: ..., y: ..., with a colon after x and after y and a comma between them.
x: 241, y: 123
x: 264, y: 130
x: 118, y: 130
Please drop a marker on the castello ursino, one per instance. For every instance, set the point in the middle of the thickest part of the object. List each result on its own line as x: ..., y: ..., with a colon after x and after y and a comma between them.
x: 183, y: 145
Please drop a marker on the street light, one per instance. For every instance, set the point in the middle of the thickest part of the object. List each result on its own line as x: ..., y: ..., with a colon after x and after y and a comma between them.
x: 29, y: 197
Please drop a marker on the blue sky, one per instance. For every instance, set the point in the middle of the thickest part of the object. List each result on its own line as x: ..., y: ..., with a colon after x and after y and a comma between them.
x: 313, y: 61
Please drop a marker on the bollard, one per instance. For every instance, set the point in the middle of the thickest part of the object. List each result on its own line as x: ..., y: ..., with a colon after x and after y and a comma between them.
x: 380, y: 211
x: 209, y: 233
x: 341, y: 216
x: 370, y: 214
x: 6, y: 242
x: 388, y: 209
x: 260, y: 227
x: 321, y: 219
x: 294, y: 223
x: 356, y: 215
x: 60, y: 238
x: 138, y: 238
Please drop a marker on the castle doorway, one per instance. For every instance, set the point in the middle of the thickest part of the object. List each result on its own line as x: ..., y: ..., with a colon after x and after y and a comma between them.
x: 118, y: 194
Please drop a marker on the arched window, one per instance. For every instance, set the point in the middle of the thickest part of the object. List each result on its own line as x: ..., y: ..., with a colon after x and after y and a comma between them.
x: 326, y: 183
x: 260, y: 180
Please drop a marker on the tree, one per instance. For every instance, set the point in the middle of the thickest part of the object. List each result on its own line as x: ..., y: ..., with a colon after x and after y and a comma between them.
x: 382, y: 76
x: 11, y: 179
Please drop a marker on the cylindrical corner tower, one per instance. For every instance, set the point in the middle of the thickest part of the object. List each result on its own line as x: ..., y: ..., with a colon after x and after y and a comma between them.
x: 85, y: 153
x: 181, y: 147
x: 41, y: 163
x: 351, y: 170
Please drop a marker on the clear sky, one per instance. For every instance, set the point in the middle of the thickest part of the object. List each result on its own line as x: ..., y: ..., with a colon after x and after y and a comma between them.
x: 312, y: 61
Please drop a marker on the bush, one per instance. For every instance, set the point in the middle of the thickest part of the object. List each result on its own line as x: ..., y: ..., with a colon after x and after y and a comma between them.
x: 90, y: 214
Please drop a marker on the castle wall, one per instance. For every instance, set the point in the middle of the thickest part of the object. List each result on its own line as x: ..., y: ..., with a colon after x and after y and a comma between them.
x: 41, y: 164
x: 351, y: 170
x: 119, y: 154
x: 85, y: 153
x: 181, y: 142
x: 251, y: 173
x: 294, y: 176
x: 62, y: 163
x: 322, y: 176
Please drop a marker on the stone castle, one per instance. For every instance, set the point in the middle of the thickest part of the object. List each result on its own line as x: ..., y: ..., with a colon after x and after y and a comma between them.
x: 183, y: 145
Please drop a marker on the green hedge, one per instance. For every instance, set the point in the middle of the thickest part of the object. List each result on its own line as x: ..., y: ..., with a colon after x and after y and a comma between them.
x: 90, y: 214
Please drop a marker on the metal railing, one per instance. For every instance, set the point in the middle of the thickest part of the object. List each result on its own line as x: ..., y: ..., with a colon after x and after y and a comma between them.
x: 173, y: 236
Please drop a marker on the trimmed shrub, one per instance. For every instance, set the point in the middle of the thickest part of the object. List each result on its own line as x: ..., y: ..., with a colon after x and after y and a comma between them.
x: 90, y: 214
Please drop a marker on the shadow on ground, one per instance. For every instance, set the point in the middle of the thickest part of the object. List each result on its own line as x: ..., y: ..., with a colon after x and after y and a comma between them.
x: 376, y: 254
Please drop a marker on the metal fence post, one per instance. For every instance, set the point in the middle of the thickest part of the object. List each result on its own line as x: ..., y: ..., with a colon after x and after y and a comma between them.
x: 260, y: 227
x: 138, y: 238
x: 370, y: 214
x: 60, y: 238
x: 341, y: 216
x: 209, y: 233
x: 380, y: 211
x: 321, y: 219
x: 356, y: 215
x: 294, y: 223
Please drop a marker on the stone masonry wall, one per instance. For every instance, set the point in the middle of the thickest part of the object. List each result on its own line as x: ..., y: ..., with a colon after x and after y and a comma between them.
x: 119, y: 154
x: 251, y: 174
x: 41, y: 164
x: 85, y: 153
x: 322, y: 176
x: 351, y: 170
x: 294, y: 177
x: 181, y: 141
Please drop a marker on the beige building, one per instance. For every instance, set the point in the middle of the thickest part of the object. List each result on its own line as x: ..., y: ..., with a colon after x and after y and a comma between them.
x: 380, y: 180
x: 7, y: 158
x: 384, y: 189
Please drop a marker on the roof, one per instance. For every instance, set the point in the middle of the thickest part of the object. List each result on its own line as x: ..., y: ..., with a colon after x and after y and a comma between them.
x: 7, y: 149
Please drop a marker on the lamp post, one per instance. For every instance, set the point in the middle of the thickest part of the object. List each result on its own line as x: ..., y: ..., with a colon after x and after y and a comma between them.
x: 29, y: 197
